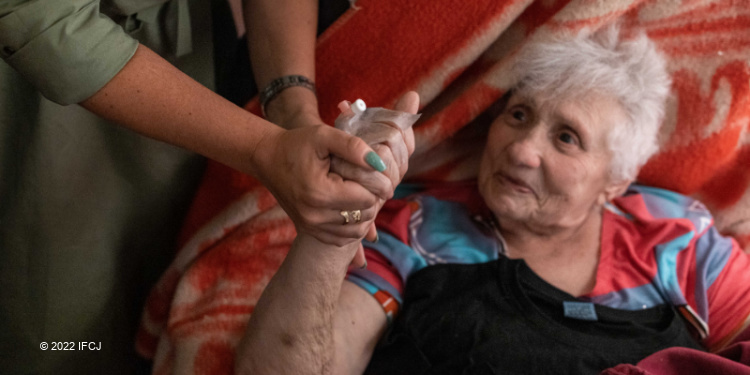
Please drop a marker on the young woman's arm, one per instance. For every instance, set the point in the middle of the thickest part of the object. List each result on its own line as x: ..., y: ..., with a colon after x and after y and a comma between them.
x: 152, y: 97
x: 281, y: 37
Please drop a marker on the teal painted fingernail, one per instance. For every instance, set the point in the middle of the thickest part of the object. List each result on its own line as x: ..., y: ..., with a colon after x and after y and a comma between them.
x: 377, y: 238
x: 364, y: 266
x: 375, y: 161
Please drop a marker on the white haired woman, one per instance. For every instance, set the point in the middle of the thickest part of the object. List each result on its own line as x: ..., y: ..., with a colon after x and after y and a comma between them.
x: 556, y: 265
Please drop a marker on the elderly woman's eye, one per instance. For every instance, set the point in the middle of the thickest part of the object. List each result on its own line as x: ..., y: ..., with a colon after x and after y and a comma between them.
x: 519, y: 115
x: 568, y: 138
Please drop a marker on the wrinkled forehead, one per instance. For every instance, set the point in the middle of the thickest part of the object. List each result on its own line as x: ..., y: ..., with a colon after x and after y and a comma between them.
x: 584, y: 107
x: 554, y: 97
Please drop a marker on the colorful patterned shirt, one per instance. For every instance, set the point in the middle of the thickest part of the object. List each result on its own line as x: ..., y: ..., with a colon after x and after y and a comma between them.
x: 657, y: 247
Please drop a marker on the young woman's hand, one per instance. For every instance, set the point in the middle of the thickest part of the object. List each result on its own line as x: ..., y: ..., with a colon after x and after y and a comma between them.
x: 295, y: 166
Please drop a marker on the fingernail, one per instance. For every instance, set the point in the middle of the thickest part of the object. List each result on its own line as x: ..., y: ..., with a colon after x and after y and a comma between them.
x: 375, y: 161
x: 364, y: 266
x: 377, y: 238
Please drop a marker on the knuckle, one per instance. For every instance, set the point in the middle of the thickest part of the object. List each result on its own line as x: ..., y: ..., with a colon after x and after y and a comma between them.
x: 379, y: 148
x: 369, y: 215
x: 370, y: 201
x: 389, y: 197
x: 385, y: 152
x: 384, y: 189
x: 394, y: 136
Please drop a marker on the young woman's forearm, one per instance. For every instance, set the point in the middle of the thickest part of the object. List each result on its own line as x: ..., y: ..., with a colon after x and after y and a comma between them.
x: 153, y: 98
x: 281, y: 36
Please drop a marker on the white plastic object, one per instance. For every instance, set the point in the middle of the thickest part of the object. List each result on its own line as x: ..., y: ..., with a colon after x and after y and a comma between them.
x: 359, y: 107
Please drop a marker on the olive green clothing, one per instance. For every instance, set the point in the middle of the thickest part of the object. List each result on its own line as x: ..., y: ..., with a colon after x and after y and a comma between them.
x: 68, y: 50
x: 89, y: 211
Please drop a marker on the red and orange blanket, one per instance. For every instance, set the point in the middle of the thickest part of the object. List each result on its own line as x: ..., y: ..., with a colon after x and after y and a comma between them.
x: 456, y: 56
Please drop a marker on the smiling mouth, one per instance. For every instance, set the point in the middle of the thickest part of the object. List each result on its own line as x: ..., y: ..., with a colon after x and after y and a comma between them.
x: 516, y: 184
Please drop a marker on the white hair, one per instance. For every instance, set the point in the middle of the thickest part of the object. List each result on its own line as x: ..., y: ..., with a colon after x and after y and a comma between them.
x: 631, y: 71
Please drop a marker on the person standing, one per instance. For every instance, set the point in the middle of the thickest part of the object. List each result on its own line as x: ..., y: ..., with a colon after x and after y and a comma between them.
x: 87, y: 208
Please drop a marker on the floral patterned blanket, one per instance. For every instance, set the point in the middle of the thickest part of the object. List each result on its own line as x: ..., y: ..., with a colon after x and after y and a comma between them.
x: 456, y: 56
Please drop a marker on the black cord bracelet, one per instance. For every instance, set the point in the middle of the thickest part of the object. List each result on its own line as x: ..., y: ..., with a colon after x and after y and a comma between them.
x: 280, y: 84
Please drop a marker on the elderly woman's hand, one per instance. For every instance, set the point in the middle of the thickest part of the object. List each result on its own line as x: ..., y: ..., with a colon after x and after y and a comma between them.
x: 394, y: 145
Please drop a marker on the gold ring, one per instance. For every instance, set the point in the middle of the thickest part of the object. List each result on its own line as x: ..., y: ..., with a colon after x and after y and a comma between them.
x: 357, y: 216
x: 345, y: 214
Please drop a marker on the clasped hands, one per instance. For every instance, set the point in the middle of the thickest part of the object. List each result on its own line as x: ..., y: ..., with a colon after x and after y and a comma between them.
x: 302, y: 180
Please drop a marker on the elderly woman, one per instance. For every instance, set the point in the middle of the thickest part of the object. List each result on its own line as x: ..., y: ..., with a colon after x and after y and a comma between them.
x: 551, y: 263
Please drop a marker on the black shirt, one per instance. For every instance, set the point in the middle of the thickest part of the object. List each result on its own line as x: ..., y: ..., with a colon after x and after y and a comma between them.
x: 501, y: 318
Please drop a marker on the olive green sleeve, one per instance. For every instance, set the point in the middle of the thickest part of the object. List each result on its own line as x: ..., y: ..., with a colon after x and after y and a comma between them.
x: 65, y: 48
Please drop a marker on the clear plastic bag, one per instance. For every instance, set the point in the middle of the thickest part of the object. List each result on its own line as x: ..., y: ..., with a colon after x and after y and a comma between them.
x: 375, y: 126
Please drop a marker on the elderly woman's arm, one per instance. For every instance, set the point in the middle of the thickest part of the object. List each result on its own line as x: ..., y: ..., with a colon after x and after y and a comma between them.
x: 309, y: 320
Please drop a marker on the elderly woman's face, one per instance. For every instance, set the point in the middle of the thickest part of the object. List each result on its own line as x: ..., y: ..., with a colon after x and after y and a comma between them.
x: 547, y: 166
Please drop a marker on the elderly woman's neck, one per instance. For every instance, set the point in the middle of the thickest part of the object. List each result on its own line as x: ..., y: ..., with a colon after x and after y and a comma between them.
x: 524, y: 233
x: 566, y: 257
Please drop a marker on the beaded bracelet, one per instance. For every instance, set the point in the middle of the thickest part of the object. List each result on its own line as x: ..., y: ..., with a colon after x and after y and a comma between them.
x: 280, y: 84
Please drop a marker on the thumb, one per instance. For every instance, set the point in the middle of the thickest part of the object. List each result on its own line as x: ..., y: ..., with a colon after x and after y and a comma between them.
x: 409, y: 102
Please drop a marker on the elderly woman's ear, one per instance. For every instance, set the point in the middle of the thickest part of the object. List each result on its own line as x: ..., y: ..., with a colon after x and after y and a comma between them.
x: 614, y: 190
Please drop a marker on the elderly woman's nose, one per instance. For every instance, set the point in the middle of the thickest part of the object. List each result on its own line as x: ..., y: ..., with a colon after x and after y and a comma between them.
x: 525, y: 150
